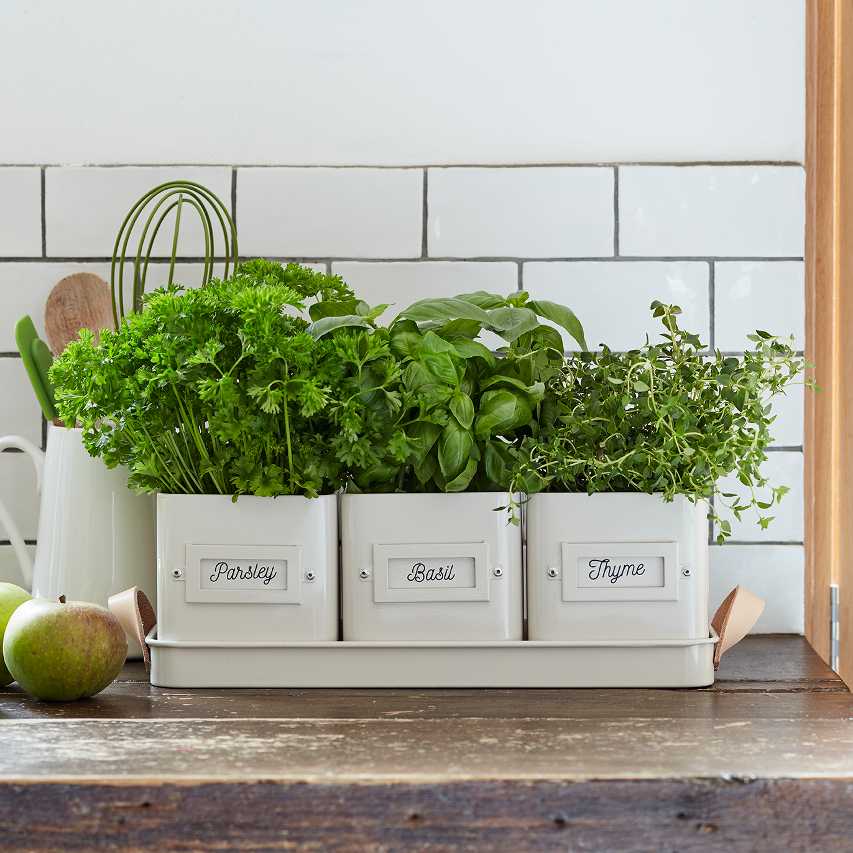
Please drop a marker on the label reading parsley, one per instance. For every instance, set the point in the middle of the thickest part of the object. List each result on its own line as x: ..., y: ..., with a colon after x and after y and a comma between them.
x: 231, y: 573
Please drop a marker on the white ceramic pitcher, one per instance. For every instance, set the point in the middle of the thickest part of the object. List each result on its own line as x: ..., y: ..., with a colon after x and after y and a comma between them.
x: 95, y: 536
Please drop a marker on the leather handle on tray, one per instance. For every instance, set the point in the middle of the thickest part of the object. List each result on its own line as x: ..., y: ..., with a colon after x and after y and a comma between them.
x: 734, y: 619
x: 136, y: 615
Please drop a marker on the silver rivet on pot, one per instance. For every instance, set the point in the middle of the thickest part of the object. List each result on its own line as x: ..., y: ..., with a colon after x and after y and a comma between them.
x: 177, y: 574
x: 497, y: 571
x: 552, y: 572
x: 685, y: 572
x: 310, y: 576
x: 364, y: 574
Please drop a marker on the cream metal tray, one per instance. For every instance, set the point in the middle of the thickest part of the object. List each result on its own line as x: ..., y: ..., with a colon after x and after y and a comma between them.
x: 617, y: 663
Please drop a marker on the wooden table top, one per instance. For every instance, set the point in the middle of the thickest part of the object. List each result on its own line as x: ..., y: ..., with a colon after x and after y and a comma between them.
x: 140, y: 766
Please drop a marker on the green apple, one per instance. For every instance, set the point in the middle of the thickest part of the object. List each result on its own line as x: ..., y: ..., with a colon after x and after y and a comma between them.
x: 11, y: 597
x: 58, y: 650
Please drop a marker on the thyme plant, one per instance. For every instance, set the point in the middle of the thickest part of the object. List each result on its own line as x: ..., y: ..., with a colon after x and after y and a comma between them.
x: 666, y: 418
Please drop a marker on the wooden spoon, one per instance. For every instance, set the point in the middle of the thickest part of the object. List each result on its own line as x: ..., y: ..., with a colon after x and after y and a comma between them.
x: 78, y: 301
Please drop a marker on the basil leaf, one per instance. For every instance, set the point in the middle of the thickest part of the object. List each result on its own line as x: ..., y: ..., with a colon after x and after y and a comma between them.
x: 474, y: 349
x: 425, y: 470
x: 330, y: 324
x: 512, y: 323
x: 483, y: 299
x: 562, y: 316
x: 495, y: 466
x: 422, y: 436
x: 462, y: 480
x: 443, y: 309
x: 463, y: 409
x: 454, y: 449
x: 441, y: 366
x: 500, y: 411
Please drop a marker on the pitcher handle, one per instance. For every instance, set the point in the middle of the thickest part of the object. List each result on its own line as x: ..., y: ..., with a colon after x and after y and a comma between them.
x: 20, y: 548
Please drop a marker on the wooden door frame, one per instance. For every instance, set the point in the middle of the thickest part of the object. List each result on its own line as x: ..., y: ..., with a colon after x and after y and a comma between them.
x: 828, y: 437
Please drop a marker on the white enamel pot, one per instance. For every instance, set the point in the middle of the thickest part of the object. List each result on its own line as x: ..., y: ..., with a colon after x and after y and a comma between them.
x: 95, y: 536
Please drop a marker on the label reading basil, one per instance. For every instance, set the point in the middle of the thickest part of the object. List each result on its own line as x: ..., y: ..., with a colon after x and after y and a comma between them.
x: 230, y: 573
x: 607, y: 571
x: 431, y: 572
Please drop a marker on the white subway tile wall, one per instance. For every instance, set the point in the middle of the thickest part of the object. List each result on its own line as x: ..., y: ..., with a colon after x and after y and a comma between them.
x: 400, y: 284
x: 523, y: 212
x: 612, y: 298
x: 724, y: 241
x: 753, y: 295
x: 84, y: 208
x: 19, y: 411
x: 20, y: 211
x: 735, y: 211
x: 361, y: 213
x: 773, y: 572
x: 10, y: 570
x: 782, y: 468
x: 787, y: 430
x: 18, y: 493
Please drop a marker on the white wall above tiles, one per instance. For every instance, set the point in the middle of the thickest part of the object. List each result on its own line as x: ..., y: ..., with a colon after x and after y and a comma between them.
x: 264, y: 81
x: 534, y: 128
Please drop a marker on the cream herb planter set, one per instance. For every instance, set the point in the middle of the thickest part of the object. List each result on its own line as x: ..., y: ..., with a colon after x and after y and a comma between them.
x: 341, y: 503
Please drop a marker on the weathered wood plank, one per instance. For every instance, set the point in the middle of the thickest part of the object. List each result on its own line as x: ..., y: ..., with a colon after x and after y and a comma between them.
x: 808, y: 689
x: 424, y: 750
x: 139, y: 701
x: 795, y: 815
x: 772, y: 658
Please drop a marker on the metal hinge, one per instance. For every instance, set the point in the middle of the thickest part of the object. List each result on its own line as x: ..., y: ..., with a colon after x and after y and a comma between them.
x: 833, y: 626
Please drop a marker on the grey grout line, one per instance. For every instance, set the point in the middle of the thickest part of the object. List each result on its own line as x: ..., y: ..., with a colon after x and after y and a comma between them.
x: 712, y: 299
x: 785, y: 448
x: 533, y: 165
x: 26, y: 542
x: 98, y: 259
x: 425, y: 211
x: 520, y: 276
x: 43, y: 213
x: 616, y: 211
